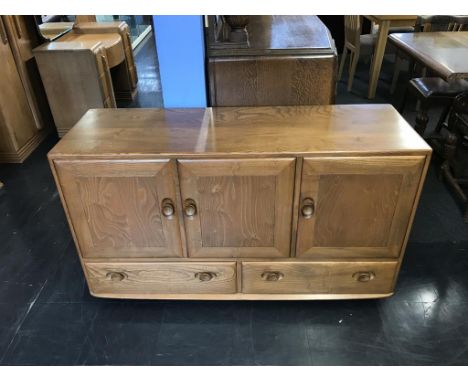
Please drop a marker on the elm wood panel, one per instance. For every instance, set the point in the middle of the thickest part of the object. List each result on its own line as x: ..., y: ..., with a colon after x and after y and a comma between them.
x: 244, y: 206
x: 318, y: 277
x: 23, y: 37
x: 241, y: 296
x: 263, y: 131
x: 16, y: 119
x: 444, y: 53
x: 112, y: 43
x: 142, y: 279
x: 116, y: 207
x: 121, y: 28
x: 271, y: 81
x: 72, y: 79
x: 362, y: 205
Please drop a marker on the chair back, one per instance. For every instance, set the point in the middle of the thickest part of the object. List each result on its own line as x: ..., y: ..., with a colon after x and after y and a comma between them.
x: 440, y: 23
x: 353, y: 27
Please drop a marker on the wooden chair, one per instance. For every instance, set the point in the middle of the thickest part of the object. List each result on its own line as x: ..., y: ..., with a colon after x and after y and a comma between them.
x: 357, y: 44
x: 454, y: 169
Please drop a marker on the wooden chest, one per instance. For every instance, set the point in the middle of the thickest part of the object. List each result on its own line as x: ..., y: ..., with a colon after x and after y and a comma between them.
x: 301, y: 202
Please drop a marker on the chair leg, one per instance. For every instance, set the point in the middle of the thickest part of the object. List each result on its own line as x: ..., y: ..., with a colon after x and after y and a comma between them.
x: 421, y: 119
x: 442, y: 118
x: 396, y: 74
x: 352, y: 70
x: 342, y: 63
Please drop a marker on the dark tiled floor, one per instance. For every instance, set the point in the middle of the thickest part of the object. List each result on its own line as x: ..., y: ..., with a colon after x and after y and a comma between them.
x: 47, y: 316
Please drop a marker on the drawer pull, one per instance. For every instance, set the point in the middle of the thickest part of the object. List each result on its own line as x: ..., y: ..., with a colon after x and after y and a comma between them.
x: 190, y: 208
x: 205, y: 276
x: 363, y: 277
x: 308, y: 208
x: 272, y: 276
x: 167, y: 208
x: 116, y: 276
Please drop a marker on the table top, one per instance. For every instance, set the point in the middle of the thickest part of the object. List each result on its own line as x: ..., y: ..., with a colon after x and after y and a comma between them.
x: 283, y: 35
x: 446, y: 53
x: 255, y: 131
x: 392, y: 17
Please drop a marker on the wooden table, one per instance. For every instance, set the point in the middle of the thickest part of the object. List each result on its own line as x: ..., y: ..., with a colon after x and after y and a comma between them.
x: 444, y: 53
x: 384, y: 22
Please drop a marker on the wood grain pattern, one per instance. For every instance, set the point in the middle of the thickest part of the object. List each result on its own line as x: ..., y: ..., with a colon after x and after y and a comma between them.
x: 271, y: 81
x: 244, y: 206
x: 319, y: 277
x: 145, y: 278
x: 444, y: 53
x: 361, y: 205
x: 116, y: 207
x: 226, y: 132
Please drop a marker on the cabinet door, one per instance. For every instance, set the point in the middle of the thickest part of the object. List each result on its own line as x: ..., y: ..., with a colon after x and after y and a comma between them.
x: 356, y: 207
x: 122, y: 208
x: 237, y: 207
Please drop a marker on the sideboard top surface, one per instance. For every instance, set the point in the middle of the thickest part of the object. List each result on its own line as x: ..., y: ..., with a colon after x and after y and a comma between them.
x: 261, y: 131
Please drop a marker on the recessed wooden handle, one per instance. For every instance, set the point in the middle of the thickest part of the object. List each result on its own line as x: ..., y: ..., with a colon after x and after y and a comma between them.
x: 205, y: 276
x: 363, y: 277
x: 116, y: 276
x: 272, y: 276
x: 190, y: 208
x: 167, y: 207
x: 308, y: 208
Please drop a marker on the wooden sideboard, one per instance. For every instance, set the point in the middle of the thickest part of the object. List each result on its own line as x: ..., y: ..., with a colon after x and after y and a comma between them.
x: 289, y: 60
x: 24, y: 113
x: 303, y: 202
x: 89, y: 67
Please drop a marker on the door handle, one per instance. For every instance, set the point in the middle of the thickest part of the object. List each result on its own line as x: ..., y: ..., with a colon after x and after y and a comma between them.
x: 308, y: 208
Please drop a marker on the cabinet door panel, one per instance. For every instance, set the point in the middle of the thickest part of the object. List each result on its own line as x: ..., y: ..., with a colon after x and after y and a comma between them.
x: 116, y: 207
x: 361, y: 206
x: 244, y: 206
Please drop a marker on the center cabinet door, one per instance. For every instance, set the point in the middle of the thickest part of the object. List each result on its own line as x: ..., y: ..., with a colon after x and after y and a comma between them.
x: 238, y: 207
x: 122, y: 208
x: 356, y: 206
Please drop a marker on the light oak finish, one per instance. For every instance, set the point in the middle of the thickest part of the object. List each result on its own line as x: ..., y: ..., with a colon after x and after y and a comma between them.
x: 384, y: 22
x: 89, y: 67
x: 170, y: 278
x: 361, y: 206
x: 318, y: 277
x: 76, y: 78
x: 23, y: 106
x: 444, y: 53
x: 243, y: 206
x: 298, y: 202
x: 121, y: 209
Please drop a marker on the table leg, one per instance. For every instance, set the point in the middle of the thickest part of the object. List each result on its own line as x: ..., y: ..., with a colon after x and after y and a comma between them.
x: 379, y: 51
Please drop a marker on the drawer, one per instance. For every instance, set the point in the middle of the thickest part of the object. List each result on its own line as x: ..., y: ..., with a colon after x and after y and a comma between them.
x: 170, y: 277
x: 318, y: 277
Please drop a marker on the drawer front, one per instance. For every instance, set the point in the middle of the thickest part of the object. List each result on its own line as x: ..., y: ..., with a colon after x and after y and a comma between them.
x: 318, y: 277
x: 149, y: 278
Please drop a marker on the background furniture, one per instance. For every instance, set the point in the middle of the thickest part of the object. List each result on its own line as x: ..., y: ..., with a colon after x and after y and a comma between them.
x: 357, y: 44
x: 24, y: 114
x: 241, y: 203
x: 384, y: 22
x: 455, y: 166
x: 443, y: 54
x: 287, y: 60
x: 88, y: 67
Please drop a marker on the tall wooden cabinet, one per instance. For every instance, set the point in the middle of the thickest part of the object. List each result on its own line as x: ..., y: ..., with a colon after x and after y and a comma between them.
x: 241, y: 203
x: 24, y: 113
